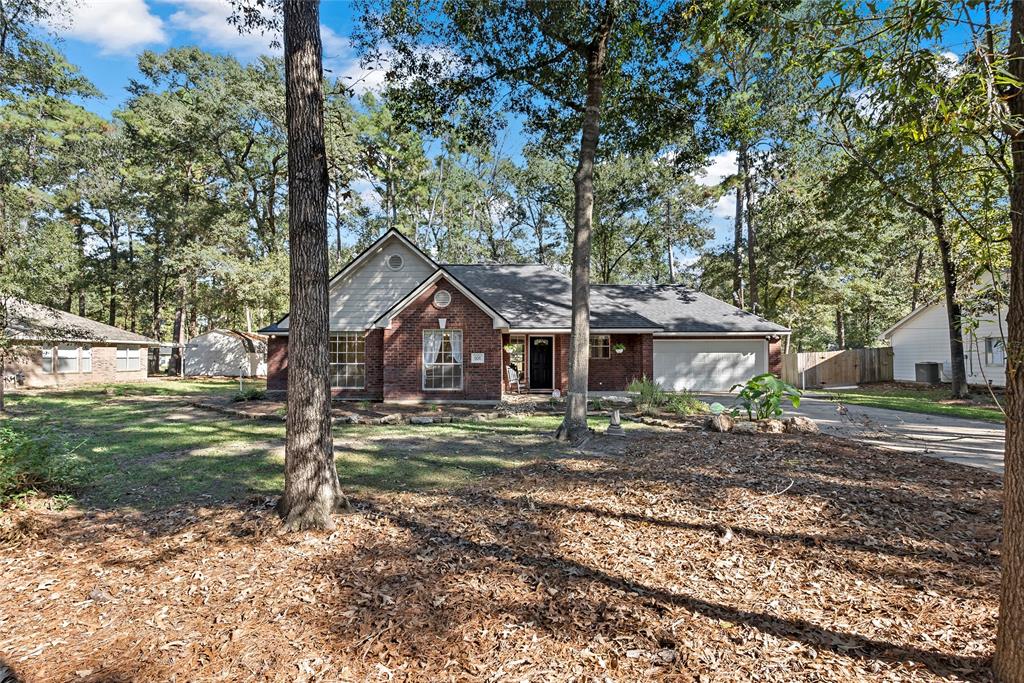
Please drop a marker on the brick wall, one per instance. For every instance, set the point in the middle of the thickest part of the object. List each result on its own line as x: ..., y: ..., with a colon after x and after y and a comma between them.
x: 615, y: 373
x: 775, y: 358
x: 403, y: 349
x: 562, y: 363
x: 277, y: 364
x: 29, y: 362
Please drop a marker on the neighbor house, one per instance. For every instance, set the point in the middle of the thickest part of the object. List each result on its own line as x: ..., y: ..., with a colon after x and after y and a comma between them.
x: 923, y: 337
x: 406, y: 328
x: 226, y: 353
x: 55, y: 348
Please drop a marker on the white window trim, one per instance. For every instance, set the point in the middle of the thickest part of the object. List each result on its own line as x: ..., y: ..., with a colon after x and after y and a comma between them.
x: 332, y: 364
x: 590, y: 346
x: 423, y: 363
x: 438, y: 293
x: 71, y: 353
x: 990, y: 352
x: 127, y: 358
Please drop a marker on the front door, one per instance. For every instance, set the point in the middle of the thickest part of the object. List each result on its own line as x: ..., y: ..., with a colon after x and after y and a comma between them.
x: 541, y: 355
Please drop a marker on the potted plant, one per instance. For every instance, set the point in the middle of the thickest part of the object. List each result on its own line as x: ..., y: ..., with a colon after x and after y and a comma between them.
x: 619, y: 347
x: 510, y: 348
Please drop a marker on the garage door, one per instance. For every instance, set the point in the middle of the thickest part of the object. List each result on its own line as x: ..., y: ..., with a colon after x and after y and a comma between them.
x: 707, y: 364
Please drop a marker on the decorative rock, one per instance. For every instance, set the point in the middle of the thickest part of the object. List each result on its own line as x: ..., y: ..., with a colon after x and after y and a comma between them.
x: 745, y: 428
x: 420, y: 420
x: 769, y: 426
x: 720, y: 423
x: 392, y: 419
x: 800, y: 425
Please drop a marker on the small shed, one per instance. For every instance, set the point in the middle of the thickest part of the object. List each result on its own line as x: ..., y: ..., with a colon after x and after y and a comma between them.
x: 226, y: 353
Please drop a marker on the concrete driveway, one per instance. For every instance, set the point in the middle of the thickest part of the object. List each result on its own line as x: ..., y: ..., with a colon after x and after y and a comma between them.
x: 968, y: 442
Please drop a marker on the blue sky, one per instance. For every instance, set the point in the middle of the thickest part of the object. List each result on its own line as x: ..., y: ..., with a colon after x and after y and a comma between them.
x: 104, y: 37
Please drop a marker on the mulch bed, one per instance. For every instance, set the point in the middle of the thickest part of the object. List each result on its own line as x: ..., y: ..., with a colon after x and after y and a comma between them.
x: 711, y: 558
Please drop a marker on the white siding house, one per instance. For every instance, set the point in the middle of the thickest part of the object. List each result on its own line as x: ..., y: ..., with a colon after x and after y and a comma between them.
x: 923, y: 336
x: 226, y: 353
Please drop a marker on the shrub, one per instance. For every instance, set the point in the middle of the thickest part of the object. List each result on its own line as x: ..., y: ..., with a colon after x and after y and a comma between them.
x: 251, y: 394
x: 650, y: 396
x: 686, y: 403
x: 35, y: 462
x: 761, y: 397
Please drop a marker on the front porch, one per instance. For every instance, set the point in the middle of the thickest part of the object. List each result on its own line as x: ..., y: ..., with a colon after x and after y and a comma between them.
x: 539, y: 360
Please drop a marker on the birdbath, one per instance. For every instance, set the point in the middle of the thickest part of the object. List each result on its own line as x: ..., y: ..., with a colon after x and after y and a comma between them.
x: 615, y: 426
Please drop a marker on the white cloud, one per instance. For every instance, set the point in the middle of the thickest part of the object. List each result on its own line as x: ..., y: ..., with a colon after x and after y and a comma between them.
x: 366, y: 193
x: 342, y: 62
x: 725, y: 208
x: 722, y: 166
x: 116, y: 26
x: 207, y: 22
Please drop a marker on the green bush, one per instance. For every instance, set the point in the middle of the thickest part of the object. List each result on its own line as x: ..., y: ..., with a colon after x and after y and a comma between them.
x: 35, y: 462
x: 650, y: 396
x: 686, y: 403
x: 251, y: 394
x: 761, y: 397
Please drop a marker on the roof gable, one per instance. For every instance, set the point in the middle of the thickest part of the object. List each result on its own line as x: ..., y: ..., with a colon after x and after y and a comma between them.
x: 367, y: 286
x: 389, y: 315
x: 376, y: 248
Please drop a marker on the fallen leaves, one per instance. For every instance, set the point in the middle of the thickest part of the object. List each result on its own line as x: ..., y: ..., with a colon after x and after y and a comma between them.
x: 704, y: 558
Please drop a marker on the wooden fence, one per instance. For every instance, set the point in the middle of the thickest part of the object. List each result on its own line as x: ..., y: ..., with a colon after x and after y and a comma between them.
x: 837, y: 368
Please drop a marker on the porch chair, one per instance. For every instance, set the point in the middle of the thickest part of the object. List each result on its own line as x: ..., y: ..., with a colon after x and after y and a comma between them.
x: 513, y: 379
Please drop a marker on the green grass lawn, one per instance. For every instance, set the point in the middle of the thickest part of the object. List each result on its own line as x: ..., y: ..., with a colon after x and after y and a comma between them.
x: 142, y: 448
x: 930, y: 401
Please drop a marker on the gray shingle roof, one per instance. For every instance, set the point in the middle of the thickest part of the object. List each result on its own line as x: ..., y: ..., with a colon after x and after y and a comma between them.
x: 536, y: 297
x: 35, y: 322
x: 679, y: 309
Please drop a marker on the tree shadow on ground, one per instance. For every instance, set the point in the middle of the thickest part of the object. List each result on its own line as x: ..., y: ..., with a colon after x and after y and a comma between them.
x: 686, y: 553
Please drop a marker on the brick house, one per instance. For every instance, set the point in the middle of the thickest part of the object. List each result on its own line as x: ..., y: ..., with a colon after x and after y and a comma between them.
x: 53, y: 348
x: 406, y: 328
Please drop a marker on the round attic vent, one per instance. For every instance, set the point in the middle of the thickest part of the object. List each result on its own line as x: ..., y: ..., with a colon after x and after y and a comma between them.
x: 442, y: 298
x: 395, y: 262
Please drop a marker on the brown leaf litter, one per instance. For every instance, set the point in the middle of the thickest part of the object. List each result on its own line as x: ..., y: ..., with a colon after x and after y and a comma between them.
x: 689, y: 557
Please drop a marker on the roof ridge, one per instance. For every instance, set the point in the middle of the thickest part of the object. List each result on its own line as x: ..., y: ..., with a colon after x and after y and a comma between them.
x: 492, y: 265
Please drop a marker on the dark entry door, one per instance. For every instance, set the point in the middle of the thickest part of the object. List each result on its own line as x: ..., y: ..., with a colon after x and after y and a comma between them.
x: 541, y: 353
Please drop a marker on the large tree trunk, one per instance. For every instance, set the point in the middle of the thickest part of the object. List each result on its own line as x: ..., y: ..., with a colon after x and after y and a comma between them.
x: 1009, y: 659
x: 737, y: 241
x: 574, y: 427
x: 311, y: 488
x: 953, y: 312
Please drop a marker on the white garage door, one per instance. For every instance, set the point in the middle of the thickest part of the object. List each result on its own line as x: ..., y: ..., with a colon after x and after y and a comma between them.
x: 707, y: 364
